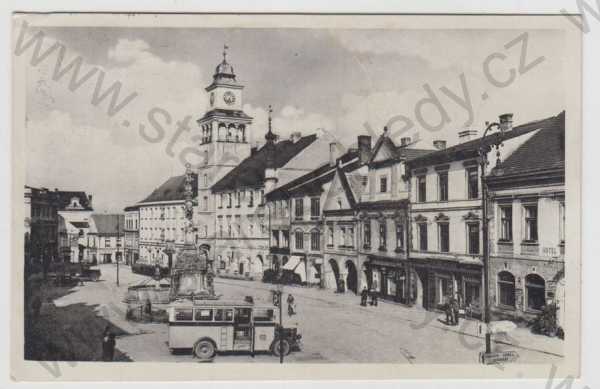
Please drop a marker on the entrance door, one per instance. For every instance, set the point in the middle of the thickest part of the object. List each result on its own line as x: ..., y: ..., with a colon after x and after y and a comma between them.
x: 352, y: 278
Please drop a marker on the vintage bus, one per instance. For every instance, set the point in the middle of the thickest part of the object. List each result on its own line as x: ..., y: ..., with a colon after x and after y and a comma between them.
x: 211, y: 326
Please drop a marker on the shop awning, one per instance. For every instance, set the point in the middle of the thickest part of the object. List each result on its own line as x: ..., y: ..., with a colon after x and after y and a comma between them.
x: 292, y: 262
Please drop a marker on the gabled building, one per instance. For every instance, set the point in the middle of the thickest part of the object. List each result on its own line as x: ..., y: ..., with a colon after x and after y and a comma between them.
x: 445, y: 215
x: 340, y: 222
x: 106, y: 238
x: 74, y: 211
x: 383, y: 221
x: 527, y: 228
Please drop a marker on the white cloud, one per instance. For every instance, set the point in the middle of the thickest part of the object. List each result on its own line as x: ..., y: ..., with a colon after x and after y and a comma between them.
x: 129, y: 50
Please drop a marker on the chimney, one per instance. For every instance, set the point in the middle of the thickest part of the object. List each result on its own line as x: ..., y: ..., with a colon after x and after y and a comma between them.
x: 333, y: 153
x: 439, y: 144
x: 364, y: 148
x: 295, y: 136
x: 404, y: 141
x: 466, y: 135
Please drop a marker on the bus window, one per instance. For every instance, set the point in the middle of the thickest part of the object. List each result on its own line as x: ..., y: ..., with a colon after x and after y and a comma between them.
x: 242, y: 315
x: 263, y: 314
x: 182, y: 314
x: 224, y: 315
x: 203, y: 315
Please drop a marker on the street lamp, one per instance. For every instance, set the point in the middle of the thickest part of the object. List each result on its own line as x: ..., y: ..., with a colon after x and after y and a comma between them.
x: 504, y: 124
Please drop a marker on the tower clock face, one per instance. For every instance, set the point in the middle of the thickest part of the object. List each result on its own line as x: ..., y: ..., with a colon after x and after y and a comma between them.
x: 229, y: 98
x: 212, y: 99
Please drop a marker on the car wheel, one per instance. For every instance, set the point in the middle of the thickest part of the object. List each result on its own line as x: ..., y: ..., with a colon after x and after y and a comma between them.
x: 204, y: 350
x: 280, y: 347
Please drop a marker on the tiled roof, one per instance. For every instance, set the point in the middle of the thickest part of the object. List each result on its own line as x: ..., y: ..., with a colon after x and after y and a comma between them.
x: 325, y: 172
x: 106, y: 224
x: 172, y: 190
x: 545, y: 150
x: 410, y: 153
x: 469, y: 149
x: 251, y: 171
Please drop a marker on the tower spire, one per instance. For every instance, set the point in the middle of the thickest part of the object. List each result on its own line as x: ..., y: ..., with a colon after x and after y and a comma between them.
x: 270, y: 136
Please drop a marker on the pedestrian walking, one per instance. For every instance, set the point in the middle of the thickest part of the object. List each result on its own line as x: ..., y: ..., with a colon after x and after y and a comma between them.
x: 291, y: 305
x: 108, y: 345
x: 373, y: 297
x: 364, y: 295
x: 448, y: 311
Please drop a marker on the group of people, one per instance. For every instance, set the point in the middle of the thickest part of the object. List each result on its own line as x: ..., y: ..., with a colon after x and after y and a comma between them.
x: 452, y: 308
x: 365, y: 294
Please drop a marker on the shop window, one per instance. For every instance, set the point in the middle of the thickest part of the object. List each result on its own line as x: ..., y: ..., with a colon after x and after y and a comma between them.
x: 472, y: 294
x: 536, y: 292
x: 506, y: 289
x: 445, y: 289
x: 444, y: 232
x: 443, y: 186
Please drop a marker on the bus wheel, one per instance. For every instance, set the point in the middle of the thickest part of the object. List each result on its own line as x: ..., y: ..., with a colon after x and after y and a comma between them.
x: 280, y: 347
x: 204, y: 350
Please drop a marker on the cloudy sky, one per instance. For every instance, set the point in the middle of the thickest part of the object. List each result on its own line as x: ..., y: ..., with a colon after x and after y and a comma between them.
x: 346, y: 82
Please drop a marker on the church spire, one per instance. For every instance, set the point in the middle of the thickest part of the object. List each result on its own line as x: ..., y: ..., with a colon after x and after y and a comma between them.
x: 270, y: 136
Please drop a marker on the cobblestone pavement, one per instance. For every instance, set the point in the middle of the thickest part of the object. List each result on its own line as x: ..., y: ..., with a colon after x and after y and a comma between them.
x: 335, y: 328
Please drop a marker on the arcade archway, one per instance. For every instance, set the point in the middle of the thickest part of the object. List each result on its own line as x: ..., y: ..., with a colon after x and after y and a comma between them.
x: 352, y: 277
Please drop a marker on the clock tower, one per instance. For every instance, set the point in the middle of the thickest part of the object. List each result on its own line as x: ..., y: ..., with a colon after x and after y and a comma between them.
x: 225, y: 141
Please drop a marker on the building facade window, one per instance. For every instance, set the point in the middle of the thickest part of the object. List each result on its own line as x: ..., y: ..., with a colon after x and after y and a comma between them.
x: 399, y: 236
x: 383, y: 187
x: 443, y: 186
x: 472, y: 183
x: 229, y: 200
x: 444, y: 232
x: 299, y: 208
x: 531, y: 223
x: 330, y: 235
x: 276, y: 238
x: 315, y: 208
x: 535, y: 287
x: 382, y: 235
x: 315, y: 240
x: 285, y: 238
x: 421, y: 189
x: 422, y: 228
x: 299, y: 237
x: 473, y: 238
x: 251, y: 198
x: 238, y: 201
x: 506, y: 289
x: 506, y: 223
x: 221, y: 196
x: 367, y: 234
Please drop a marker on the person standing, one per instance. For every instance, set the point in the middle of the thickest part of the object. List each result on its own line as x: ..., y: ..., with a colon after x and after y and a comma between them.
x: 364, y: 295
x: 373, y: 297
x: 108, y: 345
x: 291, y: 307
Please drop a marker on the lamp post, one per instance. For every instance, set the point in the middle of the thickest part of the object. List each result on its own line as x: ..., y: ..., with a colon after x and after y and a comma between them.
x: 504, y: 124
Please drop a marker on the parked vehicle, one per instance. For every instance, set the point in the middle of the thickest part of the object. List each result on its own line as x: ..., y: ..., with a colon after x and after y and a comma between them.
x: 212, y: 326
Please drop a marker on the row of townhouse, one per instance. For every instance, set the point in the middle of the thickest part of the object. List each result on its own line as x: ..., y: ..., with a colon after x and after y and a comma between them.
x: 407, y: 222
